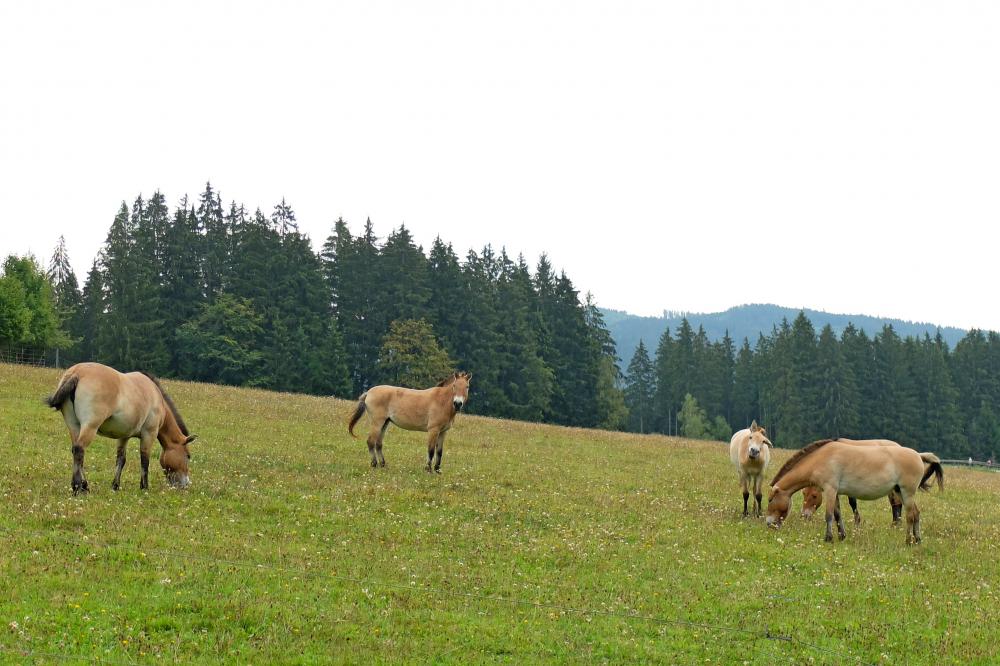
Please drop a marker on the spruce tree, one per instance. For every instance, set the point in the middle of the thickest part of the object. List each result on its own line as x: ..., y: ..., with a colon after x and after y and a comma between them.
x: 838, y: 402
x: 640, y: 388
x: 215, y: 243
x: 745, y: 406
x: 664, y: 412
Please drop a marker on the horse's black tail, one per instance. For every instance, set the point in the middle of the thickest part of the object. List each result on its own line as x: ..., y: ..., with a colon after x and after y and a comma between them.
x: 934, y: 468
x: 358, y: 411
x: 65, y: 391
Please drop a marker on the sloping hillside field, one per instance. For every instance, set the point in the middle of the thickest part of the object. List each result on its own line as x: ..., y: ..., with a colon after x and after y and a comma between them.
x: 537, y: 544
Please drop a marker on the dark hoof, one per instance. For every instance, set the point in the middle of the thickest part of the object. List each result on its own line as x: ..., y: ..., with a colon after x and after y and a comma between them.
x: 437, y: 470
x: 374, y: 463
x: 382, y: 464
x: 828, y: 538
x: 114, y: 487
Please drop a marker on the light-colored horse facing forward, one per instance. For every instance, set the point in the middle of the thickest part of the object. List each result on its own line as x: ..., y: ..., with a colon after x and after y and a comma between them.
x: 97, y: 400
x: 750, y: 451
x: 428, y: 410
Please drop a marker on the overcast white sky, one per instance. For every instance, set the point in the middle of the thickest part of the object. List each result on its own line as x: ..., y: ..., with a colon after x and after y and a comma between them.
x: 684, y: 155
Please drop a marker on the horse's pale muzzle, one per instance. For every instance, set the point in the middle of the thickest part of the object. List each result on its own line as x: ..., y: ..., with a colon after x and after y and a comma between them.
x: 754, y: 453
x: 459, y: 403
x: 773, y: 522
x: 178, y: 480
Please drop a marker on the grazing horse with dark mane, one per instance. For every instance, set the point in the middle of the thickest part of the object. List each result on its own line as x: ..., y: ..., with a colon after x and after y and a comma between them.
x: 812, y: 497
x: 863, y: 472
x: 428, y: 410
x: 750, y: 451
x: 97, y: 400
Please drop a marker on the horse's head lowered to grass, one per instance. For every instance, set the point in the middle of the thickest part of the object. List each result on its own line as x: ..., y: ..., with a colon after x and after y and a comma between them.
x: 174, y: 438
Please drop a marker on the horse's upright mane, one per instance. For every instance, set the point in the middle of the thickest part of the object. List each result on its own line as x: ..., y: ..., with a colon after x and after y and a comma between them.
x: 449, y: 380
x: 798, y: 456
x: 170, y: 404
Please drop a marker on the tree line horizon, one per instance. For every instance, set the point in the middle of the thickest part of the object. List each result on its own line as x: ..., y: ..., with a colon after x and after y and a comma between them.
x: 228, y: 296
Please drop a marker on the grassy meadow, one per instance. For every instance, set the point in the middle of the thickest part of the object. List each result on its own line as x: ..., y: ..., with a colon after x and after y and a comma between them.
x: 536, y: 544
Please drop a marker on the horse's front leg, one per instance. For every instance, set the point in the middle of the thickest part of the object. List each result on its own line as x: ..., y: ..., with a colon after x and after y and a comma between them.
x: 120, y: 464
x: 757, y: 495
x: 440, y: 451
x: 839, y: 517
x: 832, y: 510
x: 746, y: 493
x: 432, y: 439
x: 854, y: 507
x: 83, y: 439
x: 145, y: 449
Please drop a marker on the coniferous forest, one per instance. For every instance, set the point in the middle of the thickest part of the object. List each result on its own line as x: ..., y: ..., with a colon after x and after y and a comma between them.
x: 219, y: 294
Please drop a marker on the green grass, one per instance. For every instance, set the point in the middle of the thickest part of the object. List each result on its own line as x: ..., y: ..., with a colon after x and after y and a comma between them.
x: 537, y: 544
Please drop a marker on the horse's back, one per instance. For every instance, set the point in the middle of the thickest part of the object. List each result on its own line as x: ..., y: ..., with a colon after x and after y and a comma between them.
x: 105, y: 396
x: 869, y: 472
x: 868, y: 442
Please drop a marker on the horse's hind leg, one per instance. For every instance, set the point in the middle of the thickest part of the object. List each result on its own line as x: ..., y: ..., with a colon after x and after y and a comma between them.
x: 378, y: 443
x: 375, y: 441
x: 83, y: 440
x: 120, y: 464
x: 896, y: 503
x: 912, y: 517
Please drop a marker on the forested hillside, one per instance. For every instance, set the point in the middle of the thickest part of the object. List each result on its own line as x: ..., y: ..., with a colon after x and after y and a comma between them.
x: 220, y: 294
x: 751, y: 320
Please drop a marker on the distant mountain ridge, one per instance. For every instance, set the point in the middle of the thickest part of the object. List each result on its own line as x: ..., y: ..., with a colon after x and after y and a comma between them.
x: 749, y: 321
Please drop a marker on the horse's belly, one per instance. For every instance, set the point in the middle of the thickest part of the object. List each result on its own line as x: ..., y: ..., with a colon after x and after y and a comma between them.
x: 407, y: 422
x: 869, y: 487
x: 117, y: 428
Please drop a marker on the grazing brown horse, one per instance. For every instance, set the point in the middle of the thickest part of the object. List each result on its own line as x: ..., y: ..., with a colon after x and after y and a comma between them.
x: 750, y: 452
x: 812, y: 497
x: 97, y: 400
x: 864, y: 472
x: 429, y: 410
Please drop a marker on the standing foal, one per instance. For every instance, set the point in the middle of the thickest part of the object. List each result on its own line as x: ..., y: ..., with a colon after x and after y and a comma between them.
x: 429, y: 410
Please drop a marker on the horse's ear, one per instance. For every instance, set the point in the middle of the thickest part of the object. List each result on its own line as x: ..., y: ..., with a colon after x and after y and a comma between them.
x: 754, y: 427
x: 191, y: 439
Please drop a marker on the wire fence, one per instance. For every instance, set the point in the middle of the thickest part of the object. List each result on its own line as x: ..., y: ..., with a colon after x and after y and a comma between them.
x: 48, y: 358
x: 743, y: 633
x: 971, y: 463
